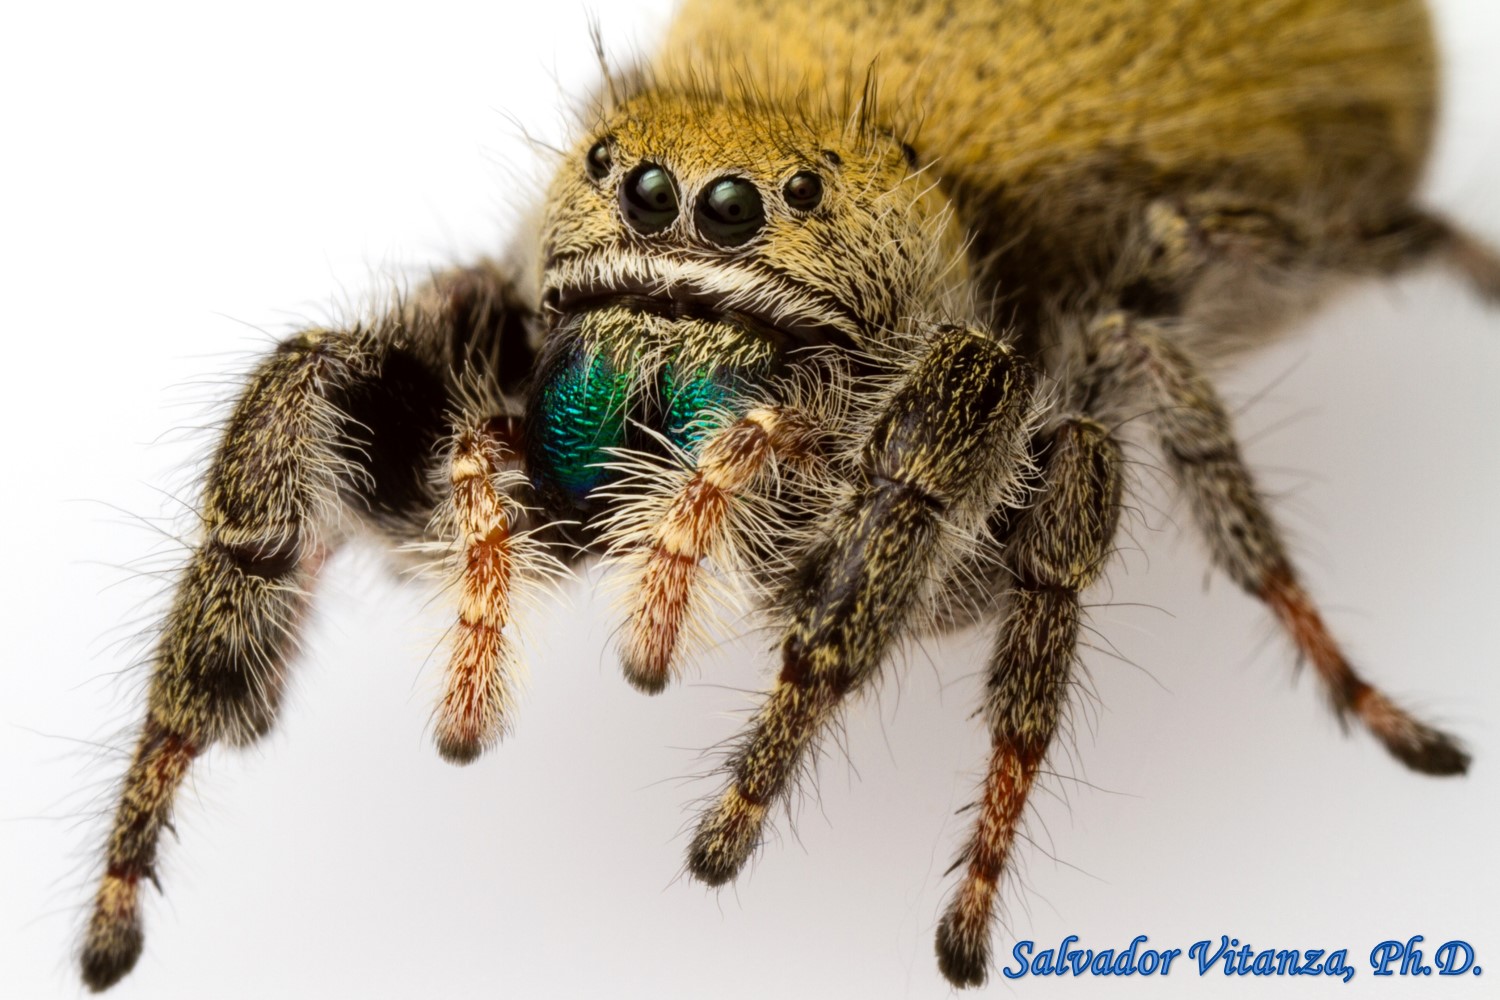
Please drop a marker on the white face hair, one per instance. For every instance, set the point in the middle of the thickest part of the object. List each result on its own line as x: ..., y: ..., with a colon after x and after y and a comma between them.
x: 188, y: 187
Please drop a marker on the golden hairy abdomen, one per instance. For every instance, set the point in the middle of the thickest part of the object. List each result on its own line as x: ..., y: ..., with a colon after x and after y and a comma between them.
x: 1291, y: 95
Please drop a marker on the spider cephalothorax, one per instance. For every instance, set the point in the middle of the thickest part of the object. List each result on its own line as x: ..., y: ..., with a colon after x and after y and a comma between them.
x: 847, y: 343
x: 695, y: 268
x: 694, y: 251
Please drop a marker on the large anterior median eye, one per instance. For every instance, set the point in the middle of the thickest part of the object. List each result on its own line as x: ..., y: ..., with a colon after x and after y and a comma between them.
x: 580, y: 417
x: 649, y: 198
x: 730, y: 211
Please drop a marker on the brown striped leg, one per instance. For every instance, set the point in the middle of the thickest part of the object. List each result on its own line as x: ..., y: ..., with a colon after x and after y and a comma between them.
x: 1057, y: 548
x: 479, y: 690
x: 697, y: 525
x: 1195, y: 435
x: 946, y: 444
x: 218, y: 671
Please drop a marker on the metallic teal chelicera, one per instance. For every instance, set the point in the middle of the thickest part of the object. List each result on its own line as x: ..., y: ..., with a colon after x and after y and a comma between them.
x: 583, y: 408
x: 688, y: 393
x: 593, y: 403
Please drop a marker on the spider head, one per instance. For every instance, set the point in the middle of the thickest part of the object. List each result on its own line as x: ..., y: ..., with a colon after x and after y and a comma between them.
x: 827, y: 231
x: 693, y: 243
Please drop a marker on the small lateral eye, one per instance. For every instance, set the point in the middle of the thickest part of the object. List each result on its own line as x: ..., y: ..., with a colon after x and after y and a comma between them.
x: 803, y: 191
x: 600, y: 162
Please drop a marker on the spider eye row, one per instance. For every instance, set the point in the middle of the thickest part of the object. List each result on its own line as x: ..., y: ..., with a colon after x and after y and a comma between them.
x: 729, y: 210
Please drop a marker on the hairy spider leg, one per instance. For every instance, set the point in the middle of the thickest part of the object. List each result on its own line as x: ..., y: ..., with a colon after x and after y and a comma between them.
x: 1195, y: 435
x: 696, y: 526
x: 946, y: 446
x: 479, y: 690
x: 1475, y: 260
x: 468, y: 506
x: 1057, y: 547
x: 331, y: 423
x: 219, y: 668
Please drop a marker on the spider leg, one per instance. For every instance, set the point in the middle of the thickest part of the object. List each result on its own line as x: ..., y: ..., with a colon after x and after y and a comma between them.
x: 1418, y: 236
x: 1195, y: 435
x: 945, y: 446
x: 1231, y: 266
x: 695, y: 526
x: 481, y: 514
x: 1056, y: 549
x: 1476, y: 260
x: 331, y: 423
x: 219, y: 668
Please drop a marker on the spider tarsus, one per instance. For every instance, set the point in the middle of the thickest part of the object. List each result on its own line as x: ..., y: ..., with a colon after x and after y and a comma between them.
x: 711, y: 867
x: 722, y: 845
x: 1430, y: 751
x: 963, y: 959
x: 459, y: 750
x: 727, y: 835
x: 646, y: 680
x: 110, y: 953
x: 1423, y: 748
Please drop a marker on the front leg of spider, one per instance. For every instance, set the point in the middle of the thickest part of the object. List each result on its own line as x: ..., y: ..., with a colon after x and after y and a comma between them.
x: 945, y: 448
x: 333, y: 425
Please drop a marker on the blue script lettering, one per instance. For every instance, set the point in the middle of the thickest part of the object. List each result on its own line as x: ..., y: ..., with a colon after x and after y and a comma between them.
x: 1386, y: 952
x: 1200, y: 951
x: 1019, y: 953
x: 1338, y: 965
x: 1243, y: 960
x: 1451, y: 951
x: 1066, y: 960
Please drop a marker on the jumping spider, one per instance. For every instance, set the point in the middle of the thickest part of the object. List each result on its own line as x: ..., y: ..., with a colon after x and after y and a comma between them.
x: 858, y: 339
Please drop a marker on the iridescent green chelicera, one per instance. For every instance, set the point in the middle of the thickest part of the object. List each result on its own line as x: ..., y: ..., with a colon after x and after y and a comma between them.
x: 583, y: 409
x: 692, y: 392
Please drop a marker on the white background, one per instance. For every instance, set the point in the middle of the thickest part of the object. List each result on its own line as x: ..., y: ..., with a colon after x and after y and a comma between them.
x: 181, y: 184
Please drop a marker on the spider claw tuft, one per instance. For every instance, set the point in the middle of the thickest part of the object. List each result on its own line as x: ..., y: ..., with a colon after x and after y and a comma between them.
x: 114, y: 939
x: 459, y: 749
x: 963, y: 957
x: 726, y: 838
x: 1421, y: 747
x: 106, y: 963
x: 1435, y: 753
x: 647, y: 678
x: 709, y: 865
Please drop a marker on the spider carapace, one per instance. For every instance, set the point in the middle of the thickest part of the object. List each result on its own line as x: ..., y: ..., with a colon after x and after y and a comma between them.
x: 834, y: 312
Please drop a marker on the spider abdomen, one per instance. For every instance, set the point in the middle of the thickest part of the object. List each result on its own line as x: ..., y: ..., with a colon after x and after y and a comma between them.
x: 1003, y: 93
